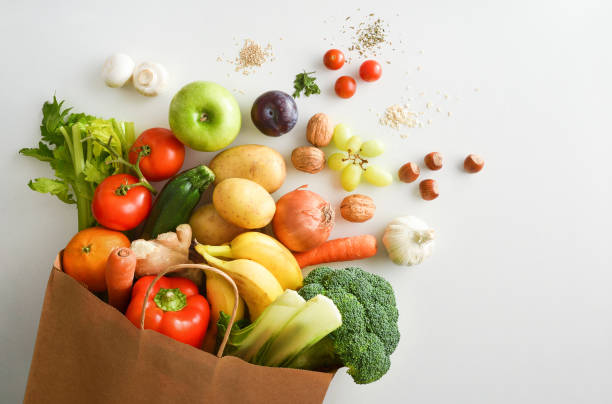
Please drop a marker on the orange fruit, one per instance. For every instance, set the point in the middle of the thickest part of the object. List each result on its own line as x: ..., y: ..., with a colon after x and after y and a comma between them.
x: 85, y: 255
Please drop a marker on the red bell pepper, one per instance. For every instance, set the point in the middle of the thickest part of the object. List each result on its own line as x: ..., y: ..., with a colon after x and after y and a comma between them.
x: 174, y: 308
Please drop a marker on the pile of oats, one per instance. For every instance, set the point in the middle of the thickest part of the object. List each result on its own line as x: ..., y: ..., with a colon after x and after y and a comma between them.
x: 399, y: 115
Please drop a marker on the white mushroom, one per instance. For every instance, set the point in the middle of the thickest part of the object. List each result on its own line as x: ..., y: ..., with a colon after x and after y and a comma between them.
x: 150, y: 78
x: 117, y: 70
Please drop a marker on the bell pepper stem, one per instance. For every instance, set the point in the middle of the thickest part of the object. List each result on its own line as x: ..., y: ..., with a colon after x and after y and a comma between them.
x: 170, y: 299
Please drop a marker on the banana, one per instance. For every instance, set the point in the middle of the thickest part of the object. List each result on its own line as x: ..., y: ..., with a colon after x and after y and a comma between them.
x: 257, y: 286
x: 220, y: 296
x: 266, y: 251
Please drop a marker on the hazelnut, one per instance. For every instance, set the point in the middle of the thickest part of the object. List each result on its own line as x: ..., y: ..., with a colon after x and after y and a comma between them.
x: 409, y: 172
x: 308, y: 159
x: 429, y: 189
x: 433, y: 161
x: 473, y: 163
x: 319, y: 132
x: 357, y: 208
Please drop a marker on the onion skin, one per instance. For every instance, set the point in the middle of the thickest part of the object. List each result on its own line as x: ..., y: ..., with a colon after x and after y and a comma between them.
x: 303, y: 220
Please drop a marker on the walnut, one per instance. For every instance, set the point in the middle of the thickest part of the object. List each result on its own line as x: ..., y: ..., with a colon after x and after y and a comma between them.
x: 308, y: 159
x: 357, y: 208
x: 319, y: 131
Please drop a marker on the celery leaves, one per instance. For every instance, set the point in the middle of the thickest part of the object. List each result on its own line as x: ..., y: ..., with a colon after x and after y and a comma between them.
x: 68, y: 144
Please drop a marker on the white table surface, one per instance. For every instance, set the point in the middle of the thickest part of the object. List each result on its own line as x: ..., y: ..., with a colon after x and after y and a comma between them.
x: 515, y: 304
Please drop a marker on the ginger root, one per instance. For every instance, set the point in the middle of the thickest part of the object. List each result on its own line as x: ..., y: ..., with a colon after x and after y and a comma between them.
x: 154, y: 256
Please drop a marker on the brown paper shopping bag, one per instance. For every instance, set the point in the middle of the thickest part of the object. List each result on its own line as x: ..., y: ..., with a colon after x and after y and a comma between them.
x: 88, y: 352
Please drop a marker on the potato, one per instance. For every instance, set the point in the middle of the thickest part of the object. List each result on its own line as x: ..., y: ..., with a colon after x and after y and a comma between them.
x: 210, y: 228
x: 258, y: 163
x: 244, y: 203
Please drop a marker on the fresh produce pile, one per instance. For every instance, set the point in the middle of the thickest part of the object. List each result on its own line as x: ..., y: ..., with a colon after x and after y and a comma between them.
x: 129, y: 233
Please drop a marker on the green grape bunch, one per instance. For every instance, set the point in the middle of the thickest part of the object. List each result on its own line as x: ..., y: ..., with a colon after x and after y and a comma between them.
x: 352, y: 162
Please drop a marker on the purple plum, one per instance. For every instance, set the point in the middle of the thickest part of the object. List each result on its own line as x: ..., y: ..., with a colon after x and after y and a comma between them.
x: 274, y: 113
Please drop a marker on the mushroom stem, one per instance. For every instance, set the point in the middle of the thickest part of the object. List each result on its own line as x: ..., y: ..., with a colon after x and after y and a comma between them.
x: 145, y: 77
x: 150, y: 78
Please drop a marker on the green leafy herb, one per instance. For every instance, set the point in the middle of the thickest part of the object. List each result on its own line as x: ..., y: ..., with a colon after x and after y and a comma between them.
x: 306, y: 83
x: 82, y: 150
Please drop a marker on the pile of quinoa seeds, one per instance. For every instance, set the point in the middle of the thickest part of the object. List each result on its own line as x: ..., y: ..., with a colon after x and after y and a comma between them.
x: 251, y: 57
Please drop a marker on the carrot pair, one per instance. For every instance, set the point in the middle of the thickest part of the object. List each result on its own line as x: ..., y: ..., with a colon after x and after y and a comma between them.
x: 340, y: 249
x: 120, y: 267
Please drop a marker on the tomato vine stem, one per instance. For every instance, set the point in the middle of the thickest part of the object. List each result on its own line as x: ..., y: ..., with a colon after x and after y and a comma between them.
x: 144, y: 151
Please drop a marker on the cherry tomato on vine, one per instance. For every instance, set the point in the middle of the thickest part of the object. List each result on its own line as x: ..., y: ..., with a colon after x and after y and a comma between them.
x: 118, y: 204
x: 166, y: 154
x: 370, y: 70
x: 333, y: 59
x: 345, y: 86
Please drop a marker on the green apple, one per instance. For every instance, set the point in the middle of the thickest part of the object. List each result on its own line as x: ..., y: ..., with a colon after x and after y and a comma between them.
x: 205, y: 116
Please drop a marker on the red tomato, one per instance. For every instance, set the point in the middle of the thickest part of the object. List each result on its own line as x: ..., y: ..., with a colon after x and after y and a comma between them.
x: 370, y: 70
x: 117, y: 208
x: 166, y: 156
x: 345, y: 86
x: 333, y: 59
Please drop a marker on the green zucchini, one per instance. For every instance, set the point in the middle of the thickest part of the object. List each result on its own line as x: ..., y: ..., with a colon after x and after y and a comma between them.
x: 177, y: 200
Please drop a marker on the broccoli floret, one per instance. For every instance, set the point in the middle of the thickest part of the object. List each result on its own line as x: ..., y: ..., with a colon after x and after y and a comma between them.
x: 317, y: 275
x: 369, y: 332
x: 378, y: 300
x: 354, y: 317
x: 366, y: 358
x: 310, y: 291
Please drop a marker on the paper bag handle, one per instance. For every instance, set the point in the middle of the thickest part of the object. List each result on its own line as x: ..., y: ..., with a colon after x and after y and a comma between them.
x: 204, y: 268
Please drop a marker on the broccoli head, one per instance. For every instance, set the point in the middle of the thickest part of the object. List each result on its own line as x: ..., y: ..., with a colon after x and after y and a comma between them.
x: 369, y: 332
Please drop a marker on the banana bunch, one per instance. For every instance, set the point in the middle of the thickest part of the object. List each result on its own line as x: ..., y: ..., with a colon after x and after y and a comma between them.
x: 261, y: 266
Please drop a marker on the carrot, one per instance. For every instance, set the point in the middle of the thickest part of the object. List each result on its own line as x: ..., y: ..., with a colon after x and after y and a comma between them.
x: 120, y: 267
x: 340, y: 249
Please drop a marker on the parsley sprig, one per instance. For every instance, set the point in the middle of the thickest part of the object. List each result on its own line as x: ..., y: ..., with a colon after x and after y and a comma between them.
x: 305, y: 83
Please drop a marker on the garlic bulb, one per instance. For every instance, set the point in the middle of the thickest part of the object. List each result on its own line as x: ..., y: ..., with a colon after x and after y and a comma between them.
x: 150, y: 78
x: 117, y: 70
x: 408, y: 240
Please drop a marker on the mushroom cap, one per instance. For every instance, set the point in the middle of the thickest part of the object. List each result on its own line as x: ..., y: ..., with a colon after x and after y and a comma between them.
x: 117, y: 70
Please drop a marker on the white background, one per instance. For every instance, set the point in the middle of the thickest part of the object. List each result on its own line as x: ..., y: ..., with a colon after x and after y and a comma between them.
x: 515, y: 304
